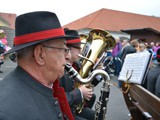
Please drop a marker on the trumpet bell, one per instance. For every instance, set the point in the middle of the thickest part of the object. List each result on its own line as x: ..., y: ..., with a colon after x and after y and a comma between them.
x: 105, y: 36
x: 100, y: 42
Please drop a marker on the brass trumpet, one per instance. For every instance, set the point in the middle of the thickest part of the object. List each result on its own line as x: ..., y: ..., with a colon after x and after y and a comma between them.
x: 100, y: 41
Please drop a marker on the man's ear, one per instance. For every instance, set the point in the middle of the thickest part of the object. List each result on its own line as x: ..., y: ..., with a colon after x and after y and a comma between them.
x: 39, y: 54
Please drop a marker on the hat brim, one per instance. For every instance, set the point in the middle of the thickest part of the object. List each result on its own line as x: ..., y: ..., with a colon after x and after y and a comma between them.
x: 19, y: 47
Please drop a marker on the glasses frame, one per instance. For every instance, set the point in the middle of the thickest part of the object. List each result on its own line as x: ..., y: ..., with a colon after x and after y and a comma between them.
x: 66, y: 50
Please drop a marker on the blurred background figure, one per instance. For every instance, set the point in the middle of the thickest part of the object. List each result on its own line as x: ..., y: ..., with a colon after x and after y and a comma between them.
x: 115, y: 54
x: 152, y: 76
x: 129, y: 47
x: 142, y: 48
x: 157, y: 46
x: 152, y: 44
x: 3, y: 41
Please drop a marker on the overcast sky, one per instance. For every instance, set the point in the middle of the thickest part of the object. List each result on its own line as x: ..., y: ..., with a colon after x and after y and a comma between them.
x: 70, y: 10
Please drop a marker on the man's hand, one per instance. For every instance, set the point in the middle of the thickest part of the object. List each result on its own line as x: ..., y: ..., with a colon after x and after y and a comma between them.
x: 87, y: 92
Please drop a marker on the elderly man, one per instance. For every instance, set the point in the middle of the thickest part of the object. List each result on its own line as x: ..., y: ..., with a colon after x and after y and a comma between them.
x: 26, y: 92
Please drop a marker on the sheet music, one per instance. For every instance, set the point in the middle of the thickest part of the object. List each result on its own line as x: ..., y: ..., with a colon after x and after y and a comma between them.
x: 138, y: 62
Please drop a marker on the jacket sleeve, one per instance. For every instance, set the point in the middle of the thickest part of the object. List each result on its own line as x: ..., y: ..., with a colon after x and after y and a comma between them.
x: 74, y: 96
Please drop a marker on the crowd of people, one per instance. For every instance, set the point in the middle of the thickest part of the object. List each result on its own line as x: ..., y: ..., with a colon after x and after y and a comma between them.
x: 132, y: 46
x: 40, y: 88
x: 3, y: 46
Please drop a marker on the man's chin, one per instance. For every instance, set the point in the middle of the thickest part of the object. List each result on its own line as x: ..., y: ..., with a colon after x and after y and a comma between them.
x: 61, y: 75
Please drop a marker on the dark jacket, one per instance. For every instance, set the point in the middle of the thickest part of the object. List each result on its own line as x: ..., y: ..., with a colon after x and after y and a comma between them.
x: 152, y: 77
x: 73, y: 94
x: 74, y: 98
x: 127, y: 50
x: 24, y: 98
x: 157, y: 91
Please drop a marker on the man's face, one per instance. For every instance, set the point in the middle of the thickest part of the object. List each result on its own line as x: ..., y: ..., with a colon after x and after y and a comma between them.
x: 75, y: 49
x: 55, y: 58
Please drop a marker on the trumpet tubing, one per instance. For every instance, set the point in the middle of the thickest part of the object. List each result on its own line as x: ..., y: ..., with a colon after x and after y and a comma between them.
x: 74, y: 74
x: 101, y: 105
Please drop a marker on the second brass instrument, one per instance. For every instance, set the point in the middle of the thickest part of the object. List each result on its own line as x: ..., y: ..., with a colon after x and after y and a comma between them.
x: 100, y: 42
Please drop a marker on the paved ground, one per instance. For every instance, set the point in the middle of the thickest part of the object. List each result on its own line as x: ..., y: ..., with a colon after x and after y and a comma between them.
x: 6, y: 67
x: 116, y: 107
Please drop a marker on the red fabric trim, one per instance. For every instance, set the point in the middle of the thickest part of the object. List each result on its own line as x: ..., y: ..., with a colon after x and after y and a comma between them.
x: 74, y: 66
x: 158, y: 56
x: 73, y: 41
x: 60, y: 94
x: 32, y: 37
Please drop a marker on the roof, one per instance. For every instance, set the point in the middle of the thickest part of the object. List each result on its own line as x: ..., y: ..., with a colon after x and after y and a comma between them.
x: 144, y: 30
x: 3, y: 22
x: 115, y: 21
x: 10, y: 18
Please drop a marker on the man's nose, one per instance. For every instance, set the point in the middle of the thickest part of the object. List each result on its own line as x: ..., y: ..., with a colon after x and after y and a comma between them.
x: 67, y: 57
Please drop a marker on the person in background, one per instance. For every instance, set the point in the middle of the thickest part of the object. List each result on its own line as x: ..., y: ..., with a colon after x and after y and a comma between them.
x: 40, y: 46
x: 76, y: 95
x: 131, y: 47
x: 157, y: 46
x: 142, y: 48
x: 2, y: 48
x: 3, y: 40
x: 115, y: 53
x: 150, y: 49
x: 117, y: 48
x: 152, y: 44
x: 125, y: 43
x: 157, y: 91
x: 1, y: 55
x: 152, y: 76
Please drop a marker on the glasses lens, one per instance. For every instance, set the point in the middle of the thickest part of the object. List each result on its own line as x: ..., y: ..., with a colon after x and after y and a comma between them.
x: 67, y: 50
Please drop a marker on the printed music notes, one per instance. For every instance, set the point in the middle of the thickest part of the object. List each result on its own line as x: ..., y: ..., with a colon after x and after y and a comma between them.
x: 137, y: 63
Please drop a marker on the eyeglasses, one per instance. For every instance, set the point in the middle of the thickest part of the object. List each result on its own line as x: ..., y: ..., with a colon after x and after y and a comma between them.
x: 66, y: 50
